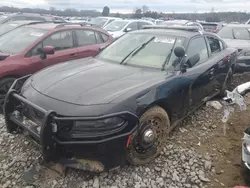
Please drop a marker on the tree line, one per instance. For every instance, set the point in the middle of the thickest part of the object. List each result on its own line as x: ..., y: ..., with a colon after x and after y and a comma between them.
x: 140, y: 12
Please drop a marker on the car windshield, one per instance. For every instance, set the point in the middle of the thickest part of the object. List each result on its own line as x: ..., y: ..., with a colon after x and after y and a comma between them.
x: 116, y: 25
x: 239, y: 33
x: 19, y: 39
x: 144, y: 50
x: 2, y: 18
x: 98, y: 21
x: 4, y: 28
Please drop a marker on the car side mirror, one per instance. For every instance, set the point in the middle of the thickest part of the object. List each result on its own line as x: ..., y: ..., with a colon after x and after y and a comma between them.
x: 49, y: 50
x: 179, y: 51
x: 128, y: 29
x: 193, y: 60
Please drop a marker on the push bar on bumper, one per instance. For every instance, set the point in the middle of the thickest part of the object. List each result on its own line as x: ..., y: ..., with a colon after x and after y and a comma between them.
x: 47, y: 136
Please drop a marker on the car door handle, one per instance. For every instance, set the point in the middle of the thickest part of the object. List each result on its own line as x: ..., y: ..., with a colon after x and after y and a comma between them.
x: 211, y: 71
x: 72, y: 55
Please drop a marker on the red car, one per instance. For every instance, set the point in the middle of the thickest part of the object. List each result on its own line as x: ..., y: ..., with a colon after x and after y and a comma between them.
x: 32, y: 47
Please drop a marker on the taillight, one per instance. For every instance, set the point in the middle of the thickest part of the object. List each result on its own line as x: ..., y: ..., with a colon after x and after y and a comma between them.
x: 226, y: 59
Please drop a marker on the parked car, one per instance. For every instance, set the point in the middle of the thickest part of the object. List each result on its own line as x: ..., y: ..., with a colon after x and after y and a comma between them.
x: 248, y: 22
x: 11, y: 25
x: 119, y: 106
x: 32, y: 47
x: 30, y: 16
x: 102, y: 21
x: 212, y: 26
x: 118, y: 28
x: 238, y: 36
x: 182, y: 23
x: 246, y: 155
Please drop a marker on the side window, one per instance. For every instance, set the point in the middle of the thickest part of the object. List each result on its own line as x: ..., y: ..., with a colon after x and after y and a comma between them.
x: 141, y: 24
x: 214, y: 44
x: 17, y: 18
x: 110, y: 21
x: 35, y: 18
x: 60, y: 41
x: 105, y: 38
x: 85, y: 37
x: 133, y: 26
x: 98, y: 38
x: 34, y: 51
x: 198, y: 46
x: 221, y: 45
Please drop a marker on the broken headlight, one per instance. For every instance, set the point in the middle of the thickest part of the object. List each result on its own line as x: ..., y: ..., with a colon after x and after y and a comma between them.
x: 98, y: 126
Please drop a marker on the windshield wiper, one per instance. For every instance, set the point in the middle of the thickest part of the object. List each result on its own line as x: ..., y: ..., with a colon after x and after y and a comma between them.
x: 169, y: 55
x: 233, y: 34
x: 137, y: 49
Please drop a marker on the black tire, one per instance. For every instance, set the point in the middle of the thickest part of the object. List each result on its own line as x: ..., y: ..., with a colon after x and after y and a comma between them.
x: 5, y: 84
x: 139, y: 152
x: 228, y: 84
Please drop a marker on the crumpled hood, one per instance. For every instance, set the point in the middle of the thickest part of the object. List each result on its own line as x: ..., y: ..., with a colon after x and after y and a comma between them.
x: 89, y: 81
x: 239, y: 44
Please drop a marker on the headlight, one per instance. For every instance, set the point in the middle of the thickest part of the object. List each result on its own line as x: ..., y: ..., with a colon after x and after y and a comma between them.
x: 104, y: 125
x: 247, y: 146
x: 247, y: 53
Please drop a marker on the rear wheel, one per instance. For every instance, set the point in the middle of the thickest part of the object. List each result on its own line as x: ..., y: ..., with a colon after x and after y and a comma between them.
x: 148, y: 142
x: 5, y: 85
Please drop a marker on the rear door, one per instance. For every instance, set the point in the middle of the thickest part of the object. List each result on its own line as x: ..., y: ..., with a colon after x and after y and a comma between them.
x: 88, y: 42
x: 222, y: 58
x: 64, y: 45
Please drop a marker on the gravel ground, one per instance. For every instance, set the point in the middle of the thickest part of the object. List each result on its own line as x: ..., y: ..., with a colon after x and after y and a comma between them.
x: 188, y: 160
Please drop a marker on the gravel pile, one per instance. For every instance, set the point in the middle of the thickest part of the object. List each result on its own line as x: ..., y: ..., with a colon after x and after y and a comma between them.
x: 20, y: 166
x: 179, y: 166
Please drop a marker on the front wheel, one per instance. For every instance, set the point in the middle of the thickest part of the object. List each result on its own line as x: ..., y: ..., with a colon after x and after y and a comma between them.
x: 148, y: 142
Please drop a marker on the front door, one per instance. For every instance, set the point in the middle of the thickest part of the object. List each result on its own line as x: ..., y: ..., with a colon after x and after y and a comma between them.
x: 203, y: 74
x: 63, y: 44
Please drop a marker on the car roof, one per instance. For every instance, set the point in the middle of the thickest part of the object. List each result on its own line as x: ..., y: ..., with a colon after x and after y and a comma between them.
x: 109, y: 17
x: 238, y: 25
x: 171, y: 32
x: 132, y: 20
x: 210, y: 23
x: 21, y: 22
x: 50, y: 26
x: 177, y: 21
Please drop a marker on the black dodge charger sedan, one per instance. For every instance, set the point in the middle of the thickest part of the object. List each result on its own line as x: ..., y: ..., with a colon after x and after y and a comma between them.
x: 100, y: 113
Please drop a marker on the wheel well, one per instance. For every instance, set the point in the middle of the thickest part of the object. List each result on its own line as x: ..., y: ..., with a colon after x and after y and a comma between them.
x: 161, y: 103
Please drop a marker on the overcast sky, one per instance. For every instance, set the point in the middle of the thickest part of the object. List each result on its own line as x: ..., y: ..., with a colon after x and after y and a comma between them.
x: 130, y: 5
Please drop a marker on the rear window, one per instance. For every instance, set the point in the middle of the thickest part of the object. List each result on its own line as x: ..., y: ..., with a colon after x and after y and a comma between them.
x: 4, y: 28
x: 209, y: 26
x: 235, y: 33
x: 17, y: 40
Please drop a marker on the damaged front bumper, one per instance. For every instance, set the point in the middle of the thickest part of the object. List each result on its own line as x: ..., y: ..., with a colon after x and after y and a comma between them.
x: 90, y: 151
